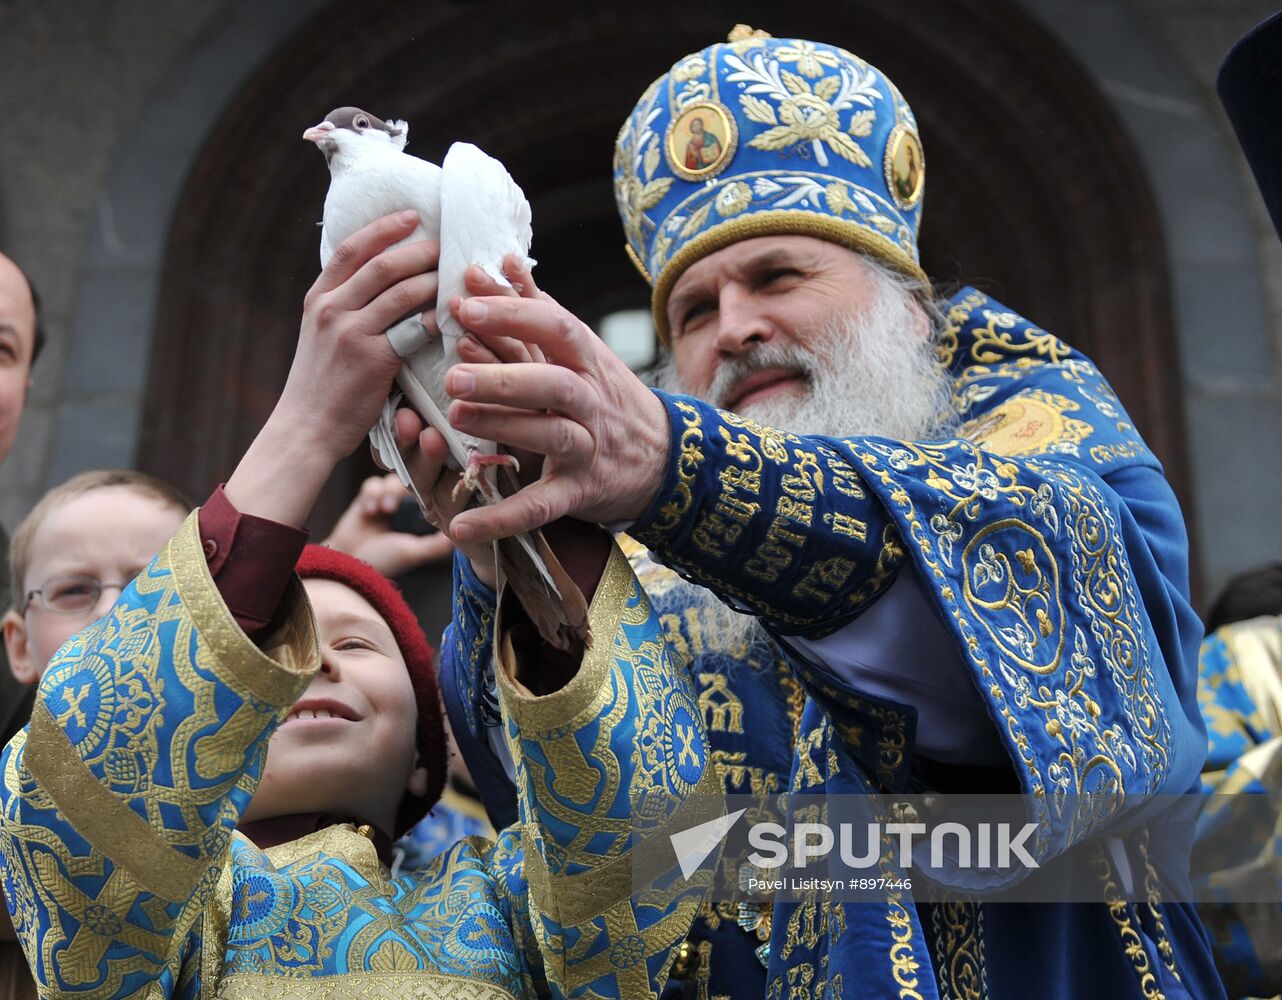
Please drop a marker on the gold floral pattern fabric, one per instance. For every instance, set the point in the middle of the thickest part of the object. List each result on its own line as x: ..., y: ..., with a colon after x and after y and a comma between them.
x: 126, y: 875
x: 1054, y: 551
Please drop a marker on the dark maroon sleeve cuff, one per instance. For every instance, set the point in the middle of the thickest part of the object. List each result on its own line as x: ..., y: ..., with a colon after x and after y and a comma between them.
x: 250, y: 558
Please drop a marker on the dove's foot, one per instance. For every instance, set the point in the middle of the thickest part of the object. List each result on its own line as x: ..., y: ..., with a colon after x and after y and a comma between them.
x: 477, y: 463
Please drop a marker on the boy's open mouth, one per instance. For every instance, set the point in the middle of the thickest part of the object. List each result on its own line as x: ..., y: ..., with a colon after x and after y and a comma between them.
x: 313, y: 709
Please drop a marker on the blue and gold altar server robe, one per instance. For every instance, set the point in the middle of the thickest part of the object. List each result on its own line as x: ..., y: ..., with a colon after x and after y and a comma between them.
x: 1053, y: 551
x: 751, y: 705
x: 125, y: 874
x: 1239, y: 842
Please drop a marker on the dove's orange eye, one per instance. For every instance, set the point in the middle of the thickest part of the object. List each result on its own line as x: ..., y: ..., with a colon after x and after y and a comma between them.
x: 361, y: 122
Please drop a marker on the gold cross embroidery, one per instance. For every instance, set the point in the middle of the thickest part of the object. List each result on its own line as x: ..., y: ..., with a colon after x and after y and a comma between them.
x: 73, y: 700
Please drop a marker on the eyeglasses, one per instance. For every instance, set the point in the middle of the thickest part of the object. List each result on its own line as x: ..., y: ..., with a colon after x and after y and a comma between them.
x: 69, y: 595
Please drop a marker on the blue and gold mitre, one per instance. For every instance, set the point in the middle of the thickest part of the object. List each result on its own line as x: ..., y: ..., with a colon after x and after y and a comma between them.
x: 762, y: 136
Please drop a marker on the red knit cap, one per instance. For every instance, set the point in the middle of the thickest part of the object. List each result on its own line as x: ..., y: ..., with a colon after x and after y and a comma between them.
x: 318, y: 562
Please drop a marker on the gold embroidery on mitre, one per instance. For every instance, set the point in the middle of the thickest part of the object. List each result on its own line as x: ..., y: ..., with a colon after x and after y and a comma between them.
x: 743, y: 32
x: 701, y: 140
x: 905, y: 166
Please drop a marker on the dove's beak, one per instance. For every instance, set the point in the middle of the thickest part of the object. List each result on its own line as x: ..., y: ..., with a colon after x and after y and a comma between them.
x: 318, y: 132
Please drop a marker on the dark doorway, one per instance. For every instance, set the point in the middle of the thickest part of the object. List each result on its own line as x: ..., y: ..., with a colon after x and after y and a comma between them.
x: 1034, y: 191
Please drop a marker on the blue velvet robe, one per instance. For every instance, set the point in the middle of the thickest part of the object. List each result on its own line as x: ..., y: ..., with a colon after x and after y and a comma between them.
x: 1056, y: 555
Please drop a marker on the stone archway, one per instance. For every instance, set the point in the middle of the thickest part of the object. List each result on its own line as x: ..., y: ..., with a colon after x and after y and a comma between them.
x: 1035, y: 192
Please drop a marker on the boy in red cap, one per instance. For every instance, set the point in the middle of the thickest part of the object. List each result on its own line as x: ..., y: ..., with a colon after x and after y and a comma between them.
x: 213, y: 771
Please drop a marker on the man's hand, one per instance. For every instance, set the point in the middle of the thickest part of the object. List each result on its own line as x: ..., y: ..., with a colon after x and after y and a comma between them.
x: 604, y: 434
x: 423, y: 448
x: 365, y: 531
x: 342, y: 370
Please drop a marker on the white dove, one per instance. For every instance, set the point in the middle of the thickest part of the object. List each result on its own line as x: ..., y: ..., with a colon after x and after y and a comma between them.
x: 479, y: 214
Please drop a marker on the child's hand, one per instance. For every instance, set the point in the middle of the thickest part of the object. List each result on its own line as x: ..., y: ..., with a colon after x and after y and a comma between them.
x: 342, y: 370
x: 365, y: 531
x: 423, y: 447
x: 344, y: 366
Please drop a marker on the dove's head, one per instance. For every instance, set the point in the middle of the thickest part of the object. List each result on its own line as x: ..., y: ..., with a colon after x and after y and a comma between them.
x: 349, y: 132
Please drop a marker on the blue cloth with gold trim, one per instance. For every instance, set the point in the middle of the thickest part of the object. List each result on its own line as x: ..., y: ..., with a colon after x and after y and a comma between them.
x: 1055, y: 552
x: 125, y: 873
x: 1239, y: 836
x: 751, y: 705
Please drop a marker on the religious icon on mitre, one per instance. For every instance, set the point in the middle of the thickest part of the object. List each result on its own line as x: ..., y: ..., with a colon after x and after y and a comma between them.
x: 905, y: 166
x: 701, y: 140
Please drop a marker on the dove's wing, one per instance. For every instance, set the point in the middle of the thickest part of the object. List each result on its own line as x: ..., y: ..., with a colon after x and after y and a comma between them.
x: 480, y: 215
x: 386, y: 181
x: 326, y: 248
x: 422, y: 379
x: 484, y: 217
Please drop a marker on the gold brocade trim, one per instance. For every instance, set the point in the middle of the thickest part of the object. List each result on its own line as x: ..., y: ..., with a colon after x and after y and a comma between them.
x: 1255, y: 647
x: 537, y: 715
x: 958, y: 927
x: 631, y: 548
x: 573, y: 899
x: 773, y: 223
x: 110, y: 827
x: 636, y: 262
x: 743, y: 32
x: 1120, y: 910
x: 631, y: 942
x: 290, y: 654
x: 213, y: 926
x: 359, y: 986
x: 338, y: 841
x: 1152, y: 888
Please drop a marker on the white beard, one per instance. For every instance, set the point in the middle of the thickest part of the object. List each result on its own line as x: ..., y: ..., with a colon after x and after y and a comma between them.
x: 872, y: 373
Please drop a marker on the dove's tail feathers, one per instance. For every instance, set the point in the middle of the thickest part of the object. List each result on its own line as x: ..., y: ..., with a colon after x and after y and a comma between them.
x: 383, y: 439
x: 549, y: 595
x: 551, y: 598
x: 489, y: 493
x: 422, y: 401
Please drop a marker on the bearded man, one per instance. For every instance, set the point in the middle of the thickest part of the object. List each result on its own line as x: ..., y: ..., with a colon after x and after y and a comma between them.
x: 954, y: 566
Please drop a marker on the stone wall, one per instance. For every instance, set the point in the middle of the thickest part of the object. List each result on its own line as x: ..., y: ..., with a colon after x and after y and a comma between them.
x: 102, y: 108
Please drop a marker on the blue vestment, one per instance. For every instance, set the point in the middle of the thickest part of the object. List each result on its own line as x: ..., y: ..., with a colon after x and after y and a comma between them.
x: 126, y: 874
x: 1055, y: 553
